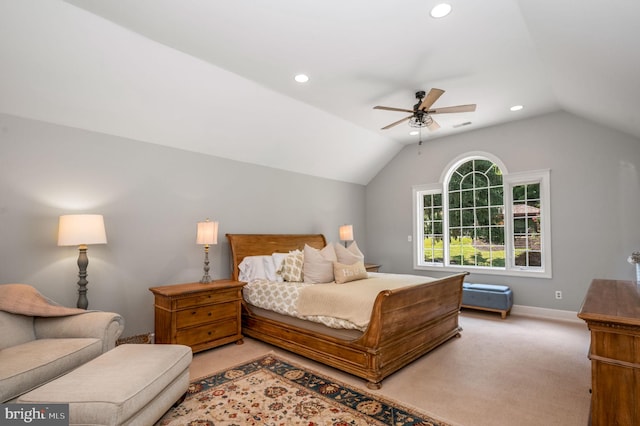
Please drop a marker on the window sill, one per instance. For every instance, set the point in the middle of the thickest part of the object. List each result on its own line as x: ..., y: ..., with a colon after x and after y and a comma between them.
x: 483, y: 271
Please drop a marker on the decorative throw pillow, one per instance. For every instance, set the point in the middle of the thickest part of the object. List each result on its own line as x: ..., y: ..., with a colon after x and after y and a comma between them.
x: 318, y: 264
x: 349, y: 255
x: 292, y: 266
x: 346, y: 273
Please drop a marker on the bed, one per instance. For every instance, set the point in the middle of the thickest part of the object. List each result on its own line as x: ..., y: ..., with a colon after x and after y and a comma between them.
x: 405, y: 323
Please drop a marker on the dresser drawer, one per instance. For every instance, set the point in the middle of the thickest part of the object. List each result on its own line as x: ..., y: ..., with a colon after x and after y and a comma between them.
x: 208, y: 332
x: 205, y: 314
x: 208, y: 297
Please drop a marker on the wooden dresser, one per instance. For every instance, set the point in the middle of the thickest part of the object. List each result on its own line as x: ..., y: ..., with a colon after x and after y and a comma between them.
x: 611, y: 309
x: 202, y: 316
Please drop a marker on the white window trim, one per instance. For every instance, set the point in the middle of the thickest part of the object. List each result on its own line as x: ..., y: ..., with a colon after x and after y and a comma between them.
x: 509, y: 180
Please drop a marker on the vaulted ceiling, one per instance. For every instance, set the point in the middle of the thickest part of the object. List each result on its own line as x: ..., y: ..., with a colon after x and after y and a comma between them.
x: 218, y: 77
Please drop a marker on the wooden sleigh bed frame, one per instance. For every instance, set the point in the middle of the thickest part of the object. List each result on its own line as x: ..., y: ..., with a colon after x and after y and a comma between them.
x: 405, y: 323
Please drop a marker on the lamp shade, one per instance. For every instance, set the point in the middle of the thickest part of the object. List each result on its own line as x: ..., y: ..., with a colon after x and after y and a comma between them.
x: 346, y: 233
x: 207, y: 232
x: 81, y: 229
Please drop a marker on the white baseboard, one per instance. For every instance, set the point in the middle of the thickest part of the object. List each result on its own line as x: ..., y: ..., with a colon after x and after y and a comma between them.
x: 533, y: 311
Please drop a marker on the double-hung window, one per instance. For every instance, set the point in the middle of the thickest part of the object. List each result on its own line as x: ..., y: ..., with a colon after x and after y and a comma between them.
x: 481, y: 219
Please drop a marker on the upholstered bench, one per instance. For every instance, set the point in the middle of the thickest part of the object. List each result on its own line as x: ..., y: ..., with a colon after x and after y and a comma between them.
x: 128, y: 385
x: 487, y: 297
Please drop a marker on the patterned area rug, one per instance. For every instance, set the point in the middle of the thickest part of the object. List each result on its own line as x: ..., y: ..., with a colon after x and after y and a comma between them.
x: 272, y: 391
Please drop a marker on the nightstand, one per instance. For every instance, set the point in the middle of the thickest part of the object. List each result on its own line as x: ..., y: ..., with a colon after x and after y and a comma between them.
x: 199, y: 315
x: 371, y: 267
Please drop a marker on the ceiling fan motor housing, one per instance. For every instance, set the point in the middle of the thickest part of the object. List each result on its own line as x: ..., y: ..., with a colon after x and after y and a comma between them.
x: 419, y: 96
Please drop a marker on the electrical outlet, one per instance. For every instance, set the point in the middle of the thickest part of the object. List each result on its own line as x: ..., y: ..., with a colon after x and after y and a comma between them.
x: 558, y: 294
x: 409, y: 238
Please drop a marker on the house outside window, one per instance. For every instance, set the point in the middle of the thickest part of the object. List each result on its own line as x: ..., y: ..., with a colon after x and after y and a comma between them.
x: 481, y: 219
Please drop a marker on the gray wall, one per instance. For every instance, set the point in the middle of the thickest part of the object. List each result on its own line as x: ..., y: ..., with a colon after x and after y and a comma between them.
x: 595, y: 200
x: 151, y: 198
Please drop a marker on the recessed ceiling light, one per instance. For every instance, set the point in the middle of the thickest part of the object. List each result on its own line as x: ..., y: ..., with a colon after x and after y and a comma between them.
x: 441, y: 10
x: 414, y: 133
x: 516, y: 108
x: 302, y: 78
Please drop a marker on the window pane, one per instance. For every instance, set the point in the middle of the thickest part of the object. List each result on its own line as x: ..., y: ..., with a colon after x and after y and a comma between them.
x: 454, y: 200
x: 482, y: 197
x: 495, y: 176
x: 496, y: 196
x: 480, y: 181
x: 497, y: 218
x: 519, y: 193
x: 454, y: 182
x: 465, y: 168
x: 497, y: 236
x: 467, y: 217
x: 468, y: 198
x: 437, y: 227
x: 454, y: 218
x: 467, y: 182
x: 482, y: 217
x: 483, y: 166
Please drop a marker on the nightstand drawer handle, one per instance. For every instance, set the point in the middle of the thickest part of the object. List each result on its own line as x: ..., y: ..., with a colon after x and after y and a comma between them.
x: 209, y: 313
x: 209, y: 333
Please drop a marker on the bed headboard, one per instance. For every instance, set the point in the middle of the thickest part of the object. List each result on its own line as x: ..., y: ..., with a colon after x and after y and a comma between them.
x: 243, y: 245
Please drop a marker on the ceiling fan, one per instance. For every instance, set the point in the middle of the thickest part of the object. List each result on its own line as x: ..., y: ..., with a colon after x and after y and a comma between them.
x: 421, y: 112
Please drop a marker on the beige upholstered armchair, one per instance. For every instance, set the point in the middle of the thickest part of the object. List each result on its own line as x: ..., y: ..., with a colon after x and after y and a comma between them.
x: 40, y: 340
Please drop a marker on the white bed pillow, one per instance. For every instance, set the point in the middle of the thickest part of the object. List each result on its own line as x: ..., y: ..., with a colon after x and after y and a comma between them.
x: 318, y: 264
x: 349, y: 255
x: 251, y: 268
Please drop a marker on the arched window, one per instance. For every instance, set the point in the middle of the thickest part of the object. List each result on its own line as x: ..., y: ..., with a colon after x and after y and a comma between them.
x: 480, y: 218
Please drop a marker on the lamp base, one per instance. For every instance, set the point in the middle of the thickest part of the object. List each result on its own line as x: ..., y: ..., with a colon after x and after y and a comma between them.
x: 83, y: 261
x: 206, y: 278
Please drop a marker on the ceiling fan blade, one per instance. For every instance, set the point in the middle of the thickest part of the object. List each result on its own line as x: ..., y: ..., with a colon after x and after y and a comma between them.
x: 433, y: 125
x: 431, y: 97
x: 458, y: 108
x: 396, y: 123
x: 392, y: 109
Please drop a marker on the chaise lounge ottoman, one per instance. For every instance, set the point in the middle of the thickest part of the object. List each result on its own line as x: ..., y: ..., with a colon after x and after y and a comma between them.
x: 128, y: 385
x: 487, y: 297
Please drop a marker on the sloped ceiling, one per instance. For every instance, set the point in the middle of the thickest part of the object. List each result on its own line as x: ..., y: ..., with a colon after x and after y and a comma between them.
x: 217, y: 77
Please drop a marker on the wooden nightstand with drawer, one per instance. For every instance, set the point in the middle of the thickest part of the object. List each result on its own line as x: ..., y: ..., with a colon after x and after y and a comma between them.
x: 202, y: 316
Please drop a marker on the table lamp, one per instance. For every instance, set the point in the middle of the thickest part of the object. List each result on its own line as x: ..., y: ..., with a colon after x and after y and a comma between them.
x: 346, y: 233
x: 207, y: 233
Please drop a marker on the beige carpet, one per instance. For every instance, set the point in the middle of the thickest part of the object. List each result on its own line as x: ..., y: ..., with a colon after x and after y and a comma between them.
x: 518, y: 371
